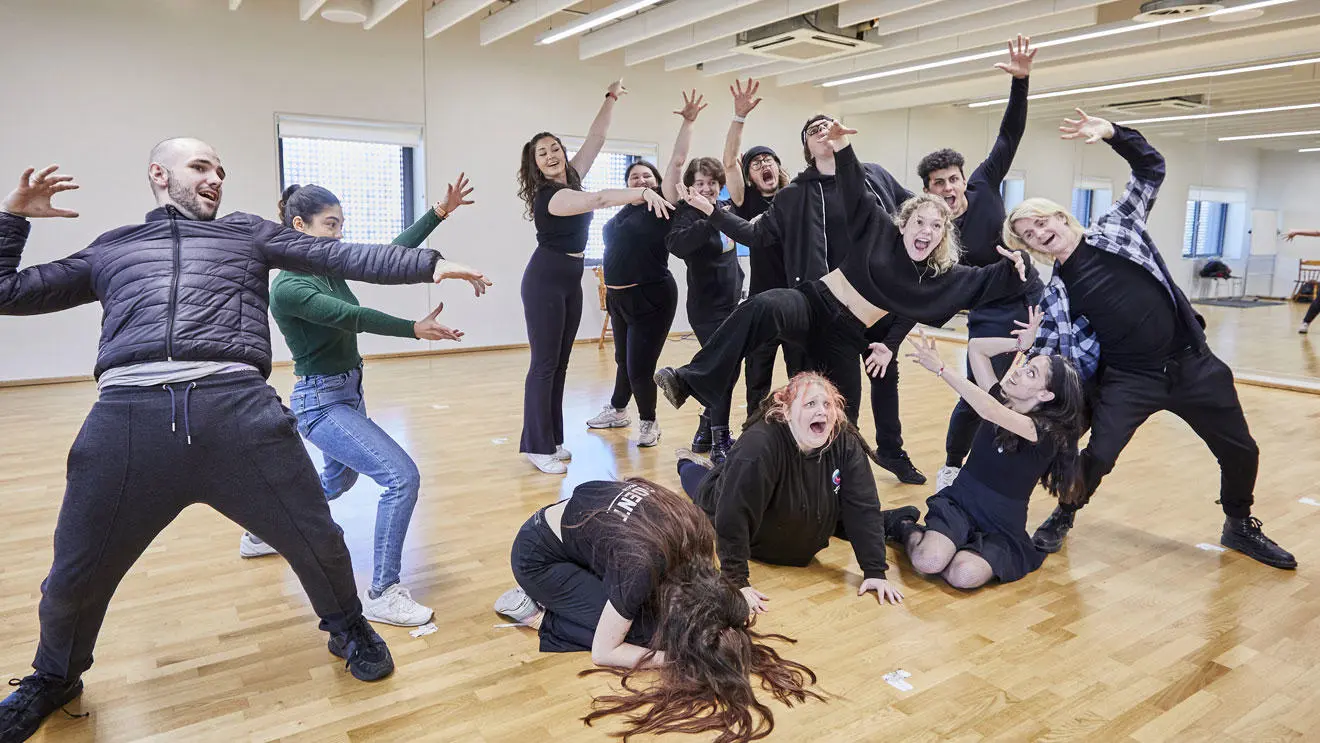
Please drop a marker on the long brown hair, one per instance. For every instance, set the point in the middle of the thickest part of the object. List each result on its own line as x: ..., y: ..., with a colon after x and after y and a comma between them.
x: 1061, y: 421
x: 704, y: 629
x: 530, y: 177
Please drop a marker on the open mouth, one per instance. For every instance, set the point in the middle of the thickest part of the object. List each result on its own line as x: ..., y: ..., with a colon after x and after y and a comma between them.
x: 952, y: 201
x: 1049, y: 240
x: 818, y: 428
x: 208, y: 195
x: 922, y: 245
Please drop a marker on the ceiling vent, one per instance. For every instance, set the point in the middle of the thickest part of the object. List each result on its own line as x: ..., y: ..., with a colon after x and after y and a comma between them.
x: 806, y: 38
x: 1163, y: 10
x: 1172, y: 105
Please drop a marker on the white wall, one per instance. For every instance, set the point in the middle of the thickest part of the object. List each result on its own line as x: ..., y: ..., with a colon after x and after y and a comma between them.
x: 127, y: 74
x: 1289, y: 182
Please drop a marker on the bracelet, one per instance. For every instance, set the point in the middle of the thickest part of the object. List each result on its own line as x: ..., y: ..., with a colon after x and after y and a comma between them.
x: 739, y: 119
x: 940, y: 373
x: 441, y: 213
x: 611, y: 95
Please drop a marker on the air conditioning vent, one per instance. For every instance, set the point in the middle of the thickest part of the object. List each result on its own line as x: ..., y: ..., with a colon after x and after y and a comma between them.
x: 1171, y: 105
x: 807, y: 38
x: 1163, y: 10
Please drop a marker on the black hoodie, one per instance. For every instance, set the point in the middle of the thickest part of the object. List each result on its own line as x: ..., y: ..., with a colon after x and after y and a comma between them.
x: 714, y: 277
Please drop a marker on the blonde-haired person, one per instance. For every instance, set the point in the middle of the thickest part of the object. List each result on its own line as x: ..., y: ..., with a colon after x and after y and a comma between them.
x: 906, y: 267
x: 1113, y: 309
x: 798, y: 475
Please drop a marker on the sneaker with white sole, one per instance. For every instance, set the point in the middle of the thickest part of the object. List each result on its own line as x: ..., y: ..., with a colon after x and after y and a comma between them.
x: 945, y: 477
x: 396, y: 606
x: 692, y: 456
x: 610, y: 417
x: 250, y: 546
x: 648, y: 433
x: 516, y: 605
x: 547, y: 463
x: 1305, y: 327
x: 562, y: 454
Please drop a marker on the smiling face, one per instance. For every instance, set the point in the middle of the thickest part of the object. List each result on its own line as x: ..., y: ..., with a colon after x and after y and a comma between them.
x: 949, y: 184
x: 923, y: 232
x: 812, y: 417
x: 707, y: 186
x: 1049, y: 235
x: 1027, y: 386
x: 551, y: 159
x: 640, y: 176
x: 764, y: 172
x: 187, y: 174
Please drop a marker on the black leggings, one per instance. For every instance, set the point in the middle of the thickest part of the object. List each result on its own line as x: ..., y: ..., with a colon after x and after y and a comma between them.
x: 641, y: 317
x: 989, y: 321
x: 572, y: 595
x: 552, y: 306
x: 1313, y: 310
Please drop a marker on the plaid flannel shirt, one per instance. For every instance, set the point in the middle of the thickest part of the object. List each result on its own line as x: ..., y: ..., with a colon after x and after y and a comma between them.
x: 1120, y: 231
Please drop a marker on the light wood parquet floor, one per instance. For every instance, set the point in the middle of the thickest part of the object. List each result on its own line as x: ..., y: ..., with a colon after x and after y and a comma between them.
x: 1131, y: 633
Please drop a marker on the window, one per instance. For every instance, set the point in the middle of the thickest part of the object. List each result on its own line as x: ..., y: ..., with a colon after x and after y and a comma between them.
x: 1090, y: 199
x: 609, y: 171
x: 1215, y: 223
x: 1013, y: 189
x: 372, y: 168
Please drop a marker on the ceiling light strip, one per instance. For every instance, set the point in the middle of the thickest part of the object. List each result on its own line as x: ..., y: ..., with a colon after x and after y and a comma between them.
x: 1309, y: 149
x: 1220, y: 114
x: 599, y: 18
x: 1273, y: 135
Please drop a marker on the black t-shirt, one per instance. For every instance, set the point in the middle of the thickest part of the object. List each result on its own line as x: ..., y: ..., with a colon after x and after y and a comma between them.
x: 767, y: 269
x: 592, y: 536
x: 558, y: 234
x: 635, y: 247
x: 1129, y: 309
x: 836, y: 225
x: 1011, y: 474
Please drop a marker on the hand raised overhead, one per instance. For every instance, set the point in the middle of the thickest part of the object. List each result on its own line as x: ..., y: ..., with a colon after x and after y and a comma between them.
x: 32, y: 196
x: 1091, y: 128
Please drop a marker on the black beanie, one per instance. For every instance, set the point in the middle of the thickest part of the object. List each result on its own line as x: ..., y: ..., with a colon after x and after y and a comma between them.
x: 751, y: 155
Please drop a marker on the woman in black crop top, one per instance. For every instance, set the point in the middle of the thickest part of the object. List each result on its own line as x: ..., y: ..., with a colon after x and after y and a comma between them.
x: 976, y: 529
x: 627, y: 570
x: 550, y: 184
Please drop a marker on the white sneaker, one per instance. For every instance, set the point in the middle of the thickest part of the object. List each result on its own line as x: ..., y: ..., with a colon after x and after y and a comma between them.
x: 396, y: 606
x: 648, y: 434
x: 945, y: 477
x: 688, y: 454
x: 562, y: 454
x: 610, y: 417
x: 250, y: 546
x: 547, y: 463
x: 1305, y: 327
x: 516, y: 605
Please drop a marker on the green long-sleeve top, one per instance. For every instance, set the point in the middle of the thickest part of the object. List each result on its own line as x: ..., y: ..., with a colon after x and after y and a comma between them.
x: 320, y: 318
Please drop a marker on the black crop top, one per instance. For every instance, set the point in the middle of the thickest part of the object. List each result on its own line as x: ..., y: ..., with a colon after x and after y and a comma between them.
x: 558, y: 234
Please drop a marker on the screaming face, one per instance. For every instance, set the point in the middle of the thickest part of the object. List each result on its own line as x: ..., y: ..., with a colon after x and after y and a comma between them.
x: 923, y: 232
x: 949, y: 184
x: 812, y: 418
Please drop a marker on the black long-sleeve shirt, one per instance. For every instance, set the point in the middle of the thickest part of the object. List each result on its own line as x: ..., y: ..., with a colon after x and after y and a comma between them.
x: 635, y: 247
x: 767, y: 262
x: 714, y: 278
x: 980, y: 227
x: 770, y: 501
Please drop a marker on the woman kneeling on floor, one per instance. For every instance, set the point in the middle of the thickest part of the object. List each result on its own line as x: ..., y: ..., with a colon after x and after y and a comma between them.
x: 976, y: 529
x: 627, y: 570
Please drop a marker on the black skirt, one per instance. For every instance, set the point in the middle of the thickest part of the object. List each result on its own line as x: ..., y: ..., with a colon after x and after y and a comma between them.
x: 977, y: 518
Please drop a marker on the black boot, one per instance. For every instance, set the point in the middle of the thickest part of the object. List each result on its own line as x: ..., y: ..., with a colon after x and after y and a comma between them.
x: 368, y: 657
x: 900, y: 523
x: 36, y: 697
x: 721, y: 443
x: 901, y: 465
x: 1049, y: 535
x: 676, y: 392
x: 1245, y: 536
x: 701, y: 440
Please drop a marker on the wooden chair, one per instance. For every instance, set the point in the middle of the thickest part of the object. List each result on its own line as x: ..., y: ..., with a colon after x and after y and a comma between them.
x: 1307, y: 271
x: 605, y: 331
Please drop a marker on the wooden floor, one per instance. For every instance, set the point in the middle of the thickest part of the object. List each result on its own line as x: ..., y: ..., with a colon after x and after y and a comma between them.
x: 1131, y: 633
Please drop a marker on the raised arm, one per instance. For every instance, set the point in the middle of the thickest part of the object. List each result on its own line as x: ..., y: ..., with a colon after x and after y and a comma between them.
x: 600, y: 127
x: 47, y: 287
x: 1146, y: 162
x: 1014, y: 123
x: 692, y: 106
x: 744, y: 100
x: 868, y: 222
x: 456, y: 195
x: 981, y: 350
x: 981, y: 400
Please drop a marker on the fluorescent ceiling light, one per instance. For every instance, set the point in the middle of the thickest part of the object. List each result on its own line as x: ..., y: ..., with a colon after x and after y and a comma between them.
x: 1241, y: 137
x: 1042, y: 45
x: 592, y: 20
x: 1309, y: 149
x: 1222, y: 114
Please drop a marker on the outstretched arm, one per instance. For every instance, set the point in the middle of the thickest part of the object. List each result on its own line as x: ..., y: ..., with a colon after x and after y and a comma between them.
x: 1014, y: 123
x: 981, y: 400
x: 762, y: 231
x: 567, y: 202
x: 868, y: 223
x: 981, y: 350
x: 48, y: 287
x: 1301, y: 233
x: 744, y: 100
x: 600, y: 127
x: 1146, y: 162
x: 692, y: 106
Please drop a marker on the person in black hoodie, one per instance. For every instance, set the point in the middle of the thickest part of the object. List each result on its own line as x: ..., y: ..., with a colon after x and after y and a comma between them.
x: 798, y: 475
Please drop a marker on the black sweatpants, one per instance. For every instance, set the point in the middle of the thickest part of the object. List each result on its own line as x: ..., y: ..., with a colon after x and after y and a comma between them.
x: 759, y: 371
x: 705, y: 321
x: 884, y: 409
x: 988, y: 321
x: 552, y: 307
x: 1313, y: 310
x: 129, y: 475
x: 1195, y: 386
x: 641, y: 317
x: 573, y: 596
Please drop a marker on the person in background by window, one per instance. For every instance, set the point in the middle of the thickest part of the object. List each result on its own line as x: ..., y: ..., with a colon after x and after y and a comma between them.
x: 978, y: 213
x: 1314, y: 309
x: 550, y: 185
x: 753, y: 179
x: 320, y: 319
x: 1113, y: 309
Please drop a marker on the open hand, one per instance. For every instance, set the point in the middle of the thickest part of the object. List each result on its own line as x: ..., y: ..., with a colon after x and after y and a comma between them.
x: 695, y: 199
x: 884, y: 590
x: 877, y: 362
x: 1026, y: 332
x: 449, y: 270
x: 744, y: 99
x: 1020, y: 56
x: 427, y: 329
x: 656, y: 203
x: 456, y: 195
x: 1092, y: 128
x: 1017, y: 259
x: 755, y: 600
x: 924, y: 352
x: 837, y: 135
x: 33, y: 195
x: 616, y: 89
x: 692, y: 106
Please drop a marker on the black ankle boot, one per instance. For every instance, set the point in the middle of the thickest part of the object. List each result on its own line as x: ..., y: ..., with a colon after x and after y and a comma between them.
x: 721, y: 443
x: 36, y: 697
x: 701, y: 440
x: 1245, y: 536
x: 901, y: 465
x: 899, y: 523
x: 1049, y: 535
x: 368, y: 657
x: 676, y: 392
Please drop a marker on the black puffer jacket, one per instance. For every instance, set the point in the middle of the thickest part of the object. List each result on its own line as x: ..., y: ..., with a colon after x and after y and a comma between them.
x: 173, y: 288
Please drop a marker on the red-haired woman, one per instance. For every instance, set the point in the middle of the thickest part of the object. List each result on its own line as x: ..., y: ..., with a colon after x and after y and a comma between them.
x: 798, y: 475
x: 627, y: 570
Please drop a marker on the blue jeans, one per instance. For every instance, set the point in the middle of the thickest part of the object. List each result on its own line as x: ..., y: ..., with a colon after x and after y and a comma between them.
x: 332, y: 414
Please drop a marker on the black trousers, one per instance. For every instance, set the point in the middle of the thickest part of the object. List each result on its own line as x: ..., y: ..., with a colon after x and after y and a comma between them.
x: 705, y: 321
x: 1195, y: 386
x: 641, y: 317
x: 129, y: 476
x: 1313, y: 310
x: 760, y: 369
x: 884, y: 409
x: 552, y: 307
x: 573, y: 596
x: 988, y: 321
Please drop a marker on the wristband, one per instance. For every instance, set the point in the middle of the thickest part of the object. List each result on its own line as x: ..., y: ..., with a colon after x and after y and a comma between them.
x: 739, y: 119
x: 611, y: 95
x: 940, y: 373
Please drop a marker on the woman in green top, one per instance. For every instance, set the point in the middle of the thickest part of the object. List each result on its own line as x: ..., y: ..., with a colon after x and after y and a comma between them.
x: 320, y: 319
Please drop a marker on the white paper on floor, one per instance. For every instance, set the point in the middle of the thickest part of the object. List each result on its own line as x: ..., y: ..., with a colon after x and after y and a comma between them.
x: 501, y: 440
x: 1210, y: 547
x: 425, y: 629
x: 897, y: 679
x: 1309, y: 501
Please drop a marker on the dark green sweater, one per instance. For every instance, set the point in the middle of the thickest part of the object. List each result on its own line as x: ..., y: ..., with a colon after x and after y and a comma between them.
x: 320, y: 318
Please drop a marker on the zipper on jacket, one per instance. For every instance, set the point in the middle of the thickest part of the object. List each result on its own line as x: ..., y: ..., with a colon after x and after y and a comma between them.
x: 176, y: 258
x: 824, y: 224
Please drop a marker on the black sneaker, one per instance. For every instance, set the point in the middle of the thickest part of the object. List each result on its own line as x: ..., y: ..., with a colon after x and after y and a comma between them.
x: 1245, y: 536
x: 902, y: 467
x: 368, y: 658
x: 36, y: 697
x: 1049, y: 535
x: 721, y: 443
x: 701, y: 440
x: 899, y: 523
x: 676, y: 392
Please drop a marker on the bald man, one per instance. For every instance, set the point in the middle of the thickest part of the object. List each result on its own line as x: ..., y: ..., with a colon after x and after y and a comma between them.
x: 184, y: 414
